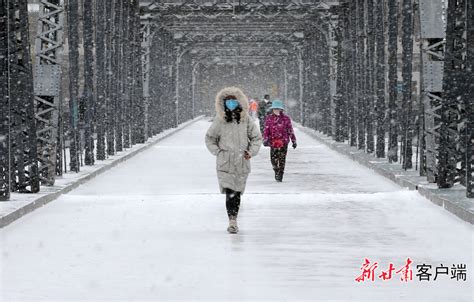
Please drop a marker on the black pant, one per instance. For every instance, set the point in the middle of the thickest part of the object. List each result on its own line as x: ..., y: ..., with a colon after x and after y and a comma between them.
x: 232, y: 202
x: 261, y: 120
x: 278, y: 159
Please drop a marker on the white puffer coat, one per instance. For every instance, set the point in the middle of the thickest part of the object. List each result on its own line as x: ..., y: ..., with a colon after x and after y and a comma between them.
x: 228, y: 141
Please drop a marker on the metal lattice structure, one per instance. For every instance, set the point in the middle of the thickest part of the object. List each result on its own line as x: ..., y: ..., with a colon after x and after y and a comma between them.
x: 23, y: 155
x: 47, y: 87
x: 433, y: 33
x: 149, y: 65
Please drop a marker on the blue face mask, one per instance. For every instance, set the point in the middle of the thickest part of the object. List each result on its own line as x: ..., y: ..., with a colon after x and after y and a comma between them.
x: 231, y: 104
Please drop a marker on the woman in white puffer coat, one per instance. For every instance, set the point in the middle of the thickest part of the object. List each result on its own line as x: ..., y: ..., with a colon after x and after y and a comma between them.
x: 233, y: 138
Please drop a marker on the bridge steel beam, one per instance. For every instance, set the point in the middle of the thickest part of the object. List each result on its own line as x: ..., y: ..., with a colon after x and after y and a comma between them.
x: 334, y: 61
x: 469, y: 101
x: 393, y: 110
x: 432, y: 34
x: 162, y: 72
x: 379, y: 78
x: 4, y: 104
x: 138, y: 101
x: 407, y: 101
x: 352, y: 70
x: 88, y: 94
x: 48, y: 46
x: 23, y: 150
x: 146, y: 61
x: 369, y: 75
x: 452, y: 161
x: 109, y: 100
x: 309, y: 82
x: 72, y: 9
x: 18, y: 149
x: 344, y: 83
x: 361, y: 74
x: 323, y: 88
x: 100, y: 77
x: 126, y: 73
x: 117, y: 80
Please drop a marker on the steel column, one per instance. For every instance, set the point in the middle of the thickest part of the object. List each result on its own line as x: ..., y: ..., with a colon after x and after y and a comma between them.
x: 23, y: 149
x: 88, y: 94
x: 469, y: 100
x: 379, y: 78
x: 433, y: 33
x: 73, y: 47
x: 4, y: 104
x: 138, y: 102
x: 361, y: 69
x: 100, y: 77
x: 369, y: 75
x: 453, y: 118
x: 48, y: 44
x: 392, y: 81
x: 407, y: 102
x: 353, y: 87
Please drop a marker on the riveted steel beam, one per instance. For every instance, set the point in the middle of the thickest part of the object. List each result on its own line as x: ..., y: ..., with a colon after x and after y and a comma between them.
x: 49, y: 43
x: 369, y: 75
x: 88, y: 94
x: 100, y: 79
x: 407, y: 74
x: 452, y: 147
x: 138, y: 101
x: 379, y: 77
x: 23, y: 149
x: 224, y: 11
x: 4, y: 104
x: 361, y: 75
x: 432, y: 34
x: 393, y: 111
x: 72, y: 9
x: 469, y: 101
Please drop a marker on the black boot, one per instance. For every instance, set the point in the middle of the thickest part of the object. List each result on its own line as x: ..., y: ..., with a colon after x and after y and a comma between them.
x: 279, y: 176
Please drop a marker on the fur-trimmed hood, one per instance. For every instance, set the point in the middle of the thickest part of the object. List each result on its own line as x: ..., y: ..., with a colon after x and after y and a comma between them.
x: 241, y: 98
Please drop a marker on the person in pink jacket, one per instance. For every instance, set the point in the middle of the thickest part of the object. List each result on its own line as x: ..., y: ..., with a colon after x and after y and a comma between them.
x: 277, y: 134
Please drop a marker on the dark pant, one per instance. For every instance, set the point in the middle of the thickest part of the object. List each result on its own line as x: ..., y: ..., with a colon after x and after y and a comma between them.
x: 232, y: 202
x: 278, y: 158
x: 261, y: 120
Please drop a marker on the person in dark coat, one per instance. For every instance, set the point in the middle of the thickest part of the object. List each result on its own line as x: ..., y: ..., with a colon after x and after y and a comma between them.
x: 263, y: 110
x: 277, y: 134
x: 234, y: 139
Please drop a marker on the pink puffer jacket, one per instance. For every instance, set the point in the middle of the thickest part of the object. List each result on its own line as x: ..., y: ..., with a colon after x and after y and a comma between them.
x: 278, y: 130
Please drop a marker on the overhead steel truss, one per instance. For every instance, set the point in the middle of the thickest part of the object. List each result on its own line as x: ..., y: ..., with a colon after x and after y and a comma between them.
x: 241, y: 36
x: 223, y: 10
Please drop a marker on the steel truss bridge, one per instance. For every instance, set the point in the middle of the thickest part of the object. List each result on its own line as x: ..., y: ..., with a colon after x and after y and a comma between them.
x: 136, y: 68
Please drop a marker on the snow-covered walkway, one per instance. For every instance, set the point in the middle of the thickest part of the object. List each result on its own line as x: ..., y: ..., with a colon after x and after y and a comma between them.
x: 154, y: 228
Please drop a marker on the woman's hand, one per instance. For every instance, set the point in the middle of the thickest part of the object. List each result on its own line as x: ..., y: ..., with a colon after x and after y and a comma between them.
x: 247, y: 155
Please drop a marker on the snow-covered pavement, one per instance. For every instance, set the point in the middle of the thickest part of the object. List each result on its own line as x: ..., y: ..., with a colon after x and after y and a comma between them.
x: 154, y: 228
